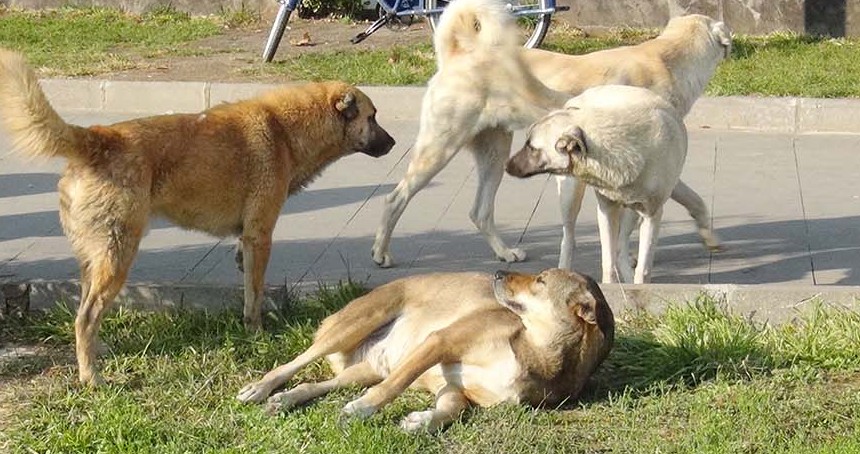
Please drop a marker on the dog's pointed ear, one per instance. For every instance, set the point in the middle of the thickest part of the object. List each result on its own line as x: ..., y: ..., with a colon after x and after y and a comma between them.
x: 724, y: 36
x: 584, y: 306
x: 583, y: 301
x: 347, y: 105
x: 572, y: 142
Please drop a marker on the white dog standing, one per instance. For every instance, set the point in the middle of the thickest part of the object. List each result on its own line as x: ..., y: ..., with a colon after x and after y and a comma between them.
x: 480, y: 92
x: 630, y: 145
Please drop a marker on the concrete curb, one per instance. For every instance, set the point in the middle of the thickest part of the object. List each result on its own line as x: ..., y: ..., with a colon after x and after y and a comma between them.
x: 777, y: 115
x: 775, y: 304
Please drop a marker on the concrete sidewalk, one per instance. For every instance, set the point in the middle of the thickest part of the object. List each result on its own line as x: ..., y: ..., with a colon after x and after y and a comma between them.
x: 786, y: 205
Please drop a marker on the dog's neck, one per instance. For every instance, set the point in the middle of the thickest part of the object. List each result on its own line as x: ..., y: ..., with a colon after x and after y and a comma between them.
x: 308, y: 154
x: 700, y: 67
x: 542, y: 344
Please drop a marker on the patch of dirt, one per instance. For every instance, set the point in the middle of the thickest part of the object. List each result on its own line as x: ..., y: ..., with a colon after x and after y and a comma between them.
x: 235, y: 55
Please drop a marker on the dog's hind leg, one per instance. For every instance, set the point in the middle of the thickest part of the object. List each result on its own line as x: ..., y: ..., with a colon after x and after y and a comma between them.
x: 430, y: 157
x: 450, y: 403
x: 649, y: 231
x: 694, y: 204
x: 570, y: 193
x: 491, y: 149
x: 361, y: 374
x: 445, y: 346
x: 104, y: 272
x: 341, y: 332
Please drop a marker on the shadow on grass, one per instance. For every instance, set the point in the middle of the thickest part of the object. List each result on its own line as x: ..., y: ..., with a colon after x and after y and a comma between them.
x: 702, y: 340
x: 41, y: 340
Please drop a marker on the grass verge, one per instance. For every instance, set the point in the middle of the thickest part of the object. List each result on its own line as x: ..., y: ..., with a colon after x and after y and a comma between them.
x: 781, y: 64
x: 92, y: 41
x: 696, y: 379
x: 89, y: 41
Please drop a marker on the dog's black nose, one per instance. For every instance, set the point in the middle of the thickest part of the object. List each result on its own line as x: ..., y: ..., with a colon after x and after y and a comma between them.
x: 500, y: 275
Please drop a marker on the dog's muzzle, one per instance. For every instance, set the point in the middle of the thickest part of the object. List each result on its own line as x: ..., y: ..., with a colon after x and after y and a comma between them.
x: 525, y: 163
x: 381, y: 144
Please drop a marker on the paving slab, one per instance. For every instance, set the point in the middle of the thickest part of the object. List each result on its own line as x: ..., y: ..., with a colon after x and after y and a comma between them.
x: 785, y: 204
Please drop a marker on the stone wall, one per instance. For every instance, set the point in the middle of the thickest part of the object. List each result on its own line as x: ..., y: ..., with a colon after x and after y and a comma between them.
x: 828, y: 17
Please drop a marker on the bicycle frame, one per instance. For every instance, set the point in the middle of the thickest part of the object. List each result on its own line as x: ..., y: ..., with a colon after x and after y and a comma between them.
x: 395, y: 10
x: 392, y: 10
x: 516, y: 10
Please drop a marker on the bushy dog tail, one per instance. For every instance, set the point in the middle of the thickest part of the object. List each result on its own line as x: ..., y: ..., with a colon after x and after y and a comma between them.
x: 34, y: 126
x: 469, y: 24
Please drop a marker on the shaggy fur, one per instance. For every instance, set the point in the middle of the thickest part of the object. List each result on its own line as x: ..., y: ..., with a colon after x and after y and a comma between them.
x: 225, y: 171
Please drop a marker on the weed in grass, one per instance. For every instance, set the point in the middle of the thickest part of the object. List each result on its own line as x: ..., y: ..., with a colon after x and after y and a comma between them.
x: 242, y: 17
x: 696, y: 379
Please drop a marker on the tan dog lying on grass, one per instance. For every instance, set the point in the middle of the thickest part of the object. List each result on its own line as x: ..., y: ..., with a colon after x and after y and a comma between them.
x: 626, y: 142
x: 469, y: 338
x: 225, y: 171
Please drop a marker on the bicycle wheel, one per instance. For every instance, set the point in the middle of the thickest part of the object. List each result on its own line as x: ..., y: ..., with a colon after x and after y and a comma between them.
x: 276, y: 33
x: 533, y: 27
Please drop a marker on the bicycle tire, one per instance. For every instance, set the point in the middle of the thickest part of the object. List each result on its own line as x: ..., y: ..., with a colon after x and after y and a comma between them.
x: 277, y: 32
x: 535, y: 35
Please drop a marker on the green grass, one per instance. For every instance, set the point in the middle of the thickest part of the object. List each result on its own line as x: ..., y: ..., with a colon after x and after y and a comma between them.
x: 88, y: 41
x: 786, y: 64
x: 696, y: 379
x: 92, y: 41
x: 398, y: 65
x: 781, y: 64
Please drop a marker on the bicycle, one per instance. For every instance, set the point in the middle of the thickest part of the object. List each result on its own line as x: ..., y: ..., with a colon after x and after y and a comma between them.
x: 533, y: 17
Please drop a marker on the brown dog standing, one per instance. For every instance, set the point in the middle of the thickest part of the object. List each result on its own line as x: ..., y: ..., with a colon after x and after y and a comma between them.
x: 225, y: 171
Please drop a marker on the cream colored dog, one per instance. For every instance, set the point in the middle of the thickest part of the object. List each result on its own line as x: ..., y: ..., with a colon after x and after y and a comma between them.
x: 677, y: 65
x: 481, y: 90
x: 469, y: 338
x: 627, y: 142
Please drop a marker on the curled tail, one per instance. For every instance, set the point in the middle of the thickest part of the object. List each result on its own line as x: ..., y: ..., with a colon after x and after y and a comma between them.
x: 468, y: 24
x: 34, y: 126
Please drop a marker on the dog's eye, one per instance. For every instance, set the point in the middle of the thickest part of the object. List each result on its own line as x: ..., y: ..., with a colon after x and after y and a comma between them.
x: 540, y: 280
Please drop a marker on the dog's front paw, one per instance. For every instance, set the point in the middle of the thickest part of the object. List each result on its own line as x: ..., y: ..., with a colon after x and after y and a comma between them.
x: 382, y: 258
x: 359, y: 409
x: 91, y: 378
x: 254, y: 393
x: 281, y: 402
x: 418, y: 421
x: 512, y: 255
